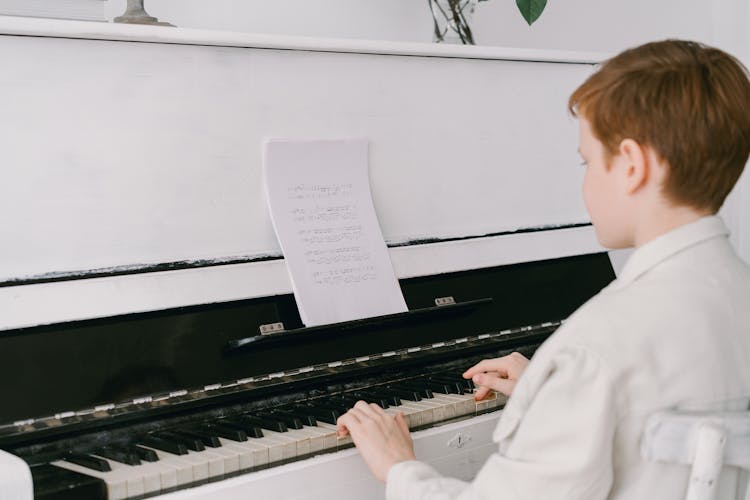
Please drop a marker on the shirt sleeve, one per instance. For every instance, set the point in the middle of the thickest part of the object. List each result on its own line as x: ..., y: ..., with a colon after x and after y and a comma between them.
x: 555, y: 439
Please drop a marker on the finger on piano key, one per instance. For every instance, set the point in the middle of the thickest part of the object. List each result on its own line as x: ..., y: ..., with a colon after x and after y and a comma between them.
x: 335, y: 440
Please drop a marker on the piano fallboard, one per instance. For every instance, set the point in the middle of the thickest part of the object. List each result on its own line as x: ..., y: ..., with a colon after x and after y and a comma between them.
x: 117, y: 381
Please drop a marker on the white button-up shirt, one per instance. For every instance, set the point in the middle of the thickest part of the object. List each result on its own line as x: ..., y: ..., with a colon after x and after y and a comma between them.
x: 673, y: 331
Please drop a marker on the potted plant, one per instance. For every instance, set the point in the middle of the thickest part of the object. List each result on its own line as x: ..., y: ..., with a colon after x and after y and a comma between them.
x: 452, y: 18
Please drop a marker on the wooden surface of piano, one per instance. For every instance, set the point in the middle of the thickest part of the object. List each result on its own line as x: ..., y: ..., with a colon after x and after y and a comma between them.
x: 138, y: 266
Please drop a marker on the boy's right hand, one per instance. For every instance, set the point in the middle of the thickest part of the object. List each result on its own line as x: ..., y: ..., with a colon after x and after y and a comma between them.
x: 499, y: 374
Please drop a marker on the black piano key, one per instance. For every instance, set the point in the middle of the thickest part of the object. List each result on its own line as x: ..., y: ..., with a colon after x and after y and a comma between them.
x: 119, y: 454
x: 173, y: 447
x: 380, y: 393
x: 456, y: 386
x: 145, y: 454
x: 251, y: 430
x: 334, y: 403
x: 328, y: 415
x: 191, y: 443
x: 466, y: 384
x: 421, y: 389
x: 407, y: 394
x: 352, y: 400
x: 439, y: 387
x: 383, y: 402
x: 271, y: 424
x: 291, y: 421
x: 305, y: 417
x: 208, y: 438
x: 226, y: 431
x: 88, y: 461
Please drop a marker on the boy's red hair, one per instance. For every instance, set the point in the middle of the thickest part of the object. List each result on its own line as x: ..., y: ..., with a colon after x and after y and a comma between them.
x: 690, y: 103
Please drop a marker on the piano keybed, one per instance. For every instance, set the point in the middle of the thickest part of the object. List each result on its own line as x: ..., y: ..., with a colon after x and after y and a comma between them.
x: 196, y: 453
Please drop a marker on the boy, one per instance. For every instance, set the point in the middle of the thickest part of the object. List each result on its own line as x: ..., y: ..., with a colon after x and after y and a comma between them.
x: 664, y: 135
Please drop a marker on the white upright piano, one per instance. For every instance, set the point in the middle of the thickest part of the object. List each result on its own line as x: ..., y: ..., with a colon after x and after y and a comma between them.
x: 139, y: 272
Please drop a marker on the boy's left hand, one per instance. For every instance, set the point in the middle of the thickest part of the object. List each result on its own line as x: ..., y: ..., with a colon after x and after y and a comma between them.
x: 383, y: 440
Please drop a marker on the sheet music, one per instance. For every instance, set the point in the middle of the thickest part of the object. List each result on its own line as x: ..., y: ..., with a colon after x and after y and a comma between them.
x: 319, y: 197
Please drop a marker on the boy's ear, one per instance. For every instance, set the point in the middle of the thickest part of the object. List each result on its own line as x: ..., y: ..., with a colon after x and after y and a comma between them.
x: 636, y: 166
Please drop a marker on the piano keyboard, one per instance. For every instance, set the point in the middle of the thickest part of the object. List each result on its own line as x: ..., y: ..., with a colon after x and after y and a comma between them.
x: 191, y: 455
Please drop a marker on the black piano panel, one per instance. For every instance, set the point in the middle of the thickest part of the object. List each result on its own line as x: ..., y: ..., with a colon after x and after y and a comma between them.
x: 77, y: 365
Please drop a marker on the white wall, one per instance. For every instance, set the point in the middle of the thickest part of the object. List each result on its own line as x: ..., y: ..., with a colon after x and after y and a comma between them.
x: 589, y: 25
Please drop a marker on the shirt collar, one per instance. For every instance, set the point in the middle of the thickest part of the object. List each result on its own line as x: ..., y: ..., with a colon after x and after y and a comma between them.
x: 656, y: 251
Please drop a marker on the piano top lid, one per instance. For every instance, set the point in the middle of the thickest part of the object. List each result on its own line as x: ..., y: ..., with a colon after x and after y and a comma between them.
x: 96, y: 293
x: 56, y: 28
x: 146, y: 361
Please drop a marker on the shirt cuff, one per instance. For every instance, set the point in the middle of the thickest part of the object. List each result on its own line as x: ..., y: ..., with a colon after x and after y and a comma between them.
x: 404, y: 474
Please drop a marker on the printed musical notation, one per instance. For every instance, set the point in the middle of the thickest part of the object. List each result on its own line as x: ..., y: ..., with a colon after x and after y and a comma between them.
x: 321, y: 208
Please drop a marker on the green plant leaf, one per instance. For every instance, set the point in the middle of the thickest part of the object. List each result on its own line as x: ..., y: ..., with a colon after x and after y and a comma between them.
x: 531, y: 9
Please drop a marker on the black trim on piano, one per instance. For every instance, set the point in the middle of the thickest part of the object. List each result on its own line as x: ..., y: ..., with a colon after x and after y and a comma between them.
x: 200, y: 263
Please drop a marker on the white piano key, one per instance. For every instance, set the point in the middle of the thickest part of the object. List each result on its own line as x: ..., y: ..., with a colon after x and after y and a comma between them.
x: 261, y: 451
x: 214, y: 460
x: 304, y: 439
x: 330, y: 436
x: 414, y: 413
x: 288, y: 444
x: 463, y: 403
x: 136, y: 477
x: 116, y: 481
x: 425, y: 411
x: 249, y: 456
x: 184, y: 468
x: 230, y: 457
x: 167, y: 473
x: 317, y: 438
x: 334, y: 438
x: 450, y: 406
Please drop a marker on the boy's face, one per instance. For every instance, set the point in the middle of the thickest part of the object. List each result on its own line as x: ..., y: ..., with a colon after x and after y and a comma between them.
x: 603, y: 192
